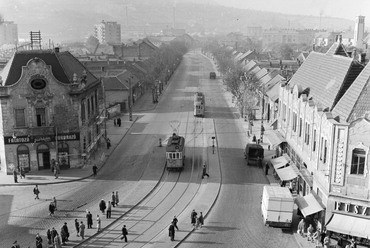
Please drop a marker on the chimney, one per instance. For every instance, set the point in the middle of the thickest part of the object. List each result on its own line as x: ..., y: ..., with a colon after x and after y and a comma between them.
x: 340, y: 39
x: 313, y: 47
x: 56, y: 49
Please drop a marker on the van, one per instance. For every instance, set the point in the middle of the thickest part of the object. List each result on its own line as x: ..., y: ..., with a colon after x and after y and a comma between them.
x: 277, y: 206
x: 254, y: 154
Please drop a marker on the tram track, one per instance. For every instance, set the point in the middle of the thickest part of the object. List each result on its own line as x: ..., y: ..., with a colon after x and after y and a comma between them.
x: 165, y: 189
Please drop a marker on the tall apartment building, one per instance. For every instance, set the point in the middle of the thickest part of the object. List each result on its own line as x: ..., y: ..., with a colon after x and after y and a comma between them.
x: 8, y: 32
x: 108, y: 32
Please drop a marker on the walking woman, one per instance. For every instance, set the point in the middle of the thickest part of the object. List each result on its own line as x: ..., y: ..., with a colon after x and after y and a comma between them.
x: 77, y: 225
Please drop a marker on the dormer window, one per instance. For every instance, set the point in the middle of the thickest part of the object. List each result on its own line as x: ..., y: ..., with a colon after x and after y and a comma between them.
x: 358, y: 161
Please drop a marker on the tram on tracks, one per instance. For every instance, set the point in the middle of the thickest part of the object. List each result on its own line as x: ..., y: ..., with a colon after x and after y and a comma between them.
x: 199, y: 104
x: 175, y: 152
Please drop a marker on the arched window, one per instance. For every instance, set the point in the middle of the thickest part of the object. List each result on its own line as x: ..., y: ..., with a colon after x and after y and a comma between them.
x: 358, y: 161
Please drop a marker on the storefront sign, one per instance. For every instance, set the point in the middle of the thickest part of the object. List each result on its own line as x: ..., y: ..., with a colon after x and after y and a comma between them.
x: 351, y: 208
x: 9, y: 140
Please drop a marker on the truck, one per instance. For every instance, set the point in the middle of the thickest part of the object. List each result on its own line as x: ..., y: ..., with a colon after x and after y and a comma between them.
x: 277, y: 206
x: 254, y: 153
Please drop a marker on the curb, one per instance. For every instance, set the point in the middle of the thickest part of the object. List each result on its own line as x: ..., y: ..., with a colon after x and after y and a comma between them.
x: 80, y: 178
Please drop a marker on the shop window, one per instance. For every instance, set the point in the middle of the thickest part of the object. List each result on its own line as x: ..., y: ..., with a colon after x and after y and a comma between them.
x: 23, y: 155
x: 358, y: 161
x: 40, y: 117
x: 20, y: 118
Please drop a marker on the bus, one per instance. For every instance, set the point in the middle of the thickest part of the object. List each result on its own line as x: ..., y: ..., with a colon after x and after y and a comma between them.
x: 254, y: 154
x: 175, y: 152
x: 199, y: 104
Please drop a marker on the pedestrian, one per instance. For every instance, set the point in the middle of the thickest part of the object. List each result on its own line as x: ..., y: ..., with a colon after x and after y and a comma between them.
x: 326, y: 242
x: 201, y: 220
x: 36, y: 192
x: 114, y: 122
x: 55, y: 171
x: 98, y: 223
x: 174, y: 221
x: 15, y: 244
x: 193, y: 217
x: 254, y: 139
x: 301, y: 227
x: 57, y: 242
x: 21, y: 172
x: 124, y: 233
x: 77, y: 226
x: 171, y: 231
x: 54, y: 233
x: 95, y: 169
x: 117, y: 198
x: 113, y: 199
x: 309, y: 232
x: 108, y: 143
x: 339, y: 242
x: 51, y: 209
x: 52, y: 163
x: 353, y: 243
x: 65, y: 228
x: 316, y: 237
x: 323, y: 236
x: 82, y: 230
x: 102, y: 206
x: 89, y: 220
x: 204, y: 173
x: 48, y: 236
x: 109, y: 210
x: 266, y: 169
x: 15, y: 176
x: 119, y: 122
x: 55, y: 203
x: 63, y: 236
x: 38, y: 241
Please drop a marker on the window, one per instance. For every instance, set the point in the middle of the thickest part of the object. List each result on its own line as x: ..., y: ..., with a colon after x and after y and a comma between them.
x: 20, y: 119
x: 308, y: 133
x: 88, y: 108
x: 314, y: 140
x: 96, y: 100
x: 40, y: 117
x: 300, y: 127
x: 83, y: 112
x: 92, y: 105
x: 358, y: 161
x: 321, y: 147
x: 294, y: 122
x: 325, y: 150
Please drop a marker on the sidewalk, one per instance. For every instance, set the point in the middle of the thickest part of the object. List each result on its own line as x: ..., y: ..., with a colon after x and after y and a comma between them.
x: 115, y: 134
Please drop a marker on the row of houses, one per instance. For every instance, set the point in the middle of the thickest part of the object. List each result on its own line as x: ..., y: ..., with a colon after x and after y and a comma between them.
x: 319, y: 123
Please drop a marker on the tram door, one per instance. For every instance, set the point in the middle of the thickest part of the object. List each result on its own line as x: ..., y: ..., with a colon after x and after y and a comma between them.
x: 43, y: 156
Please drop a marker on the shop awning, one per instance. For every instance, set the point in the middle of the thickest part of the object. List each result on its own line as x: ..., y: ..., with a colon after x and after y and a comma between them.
x: 280, y: 161
x: 309, y: 204
x: 274, y: 138
x: 288, y: 173
x: 351, y: 225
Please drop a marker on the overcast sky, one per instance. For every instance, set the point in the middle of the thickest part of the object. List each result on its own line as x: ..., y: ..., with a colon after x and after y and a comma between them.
x: 348, y: 9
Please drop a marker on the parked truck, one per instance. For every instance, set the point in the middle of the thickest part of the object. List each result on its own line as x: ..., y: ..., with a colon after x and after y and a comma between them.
x: 277, y: 206
x: 253, y: 153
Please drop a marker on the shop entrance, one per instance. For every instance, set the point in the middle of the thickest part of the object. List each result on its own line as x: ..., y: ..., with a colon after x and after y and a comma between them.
x: 43, y: 157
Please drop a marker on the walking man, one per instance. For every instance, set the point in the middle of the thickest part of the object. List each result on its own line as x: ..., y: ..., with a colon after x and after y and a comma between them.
x: 124, y: 233
x: 98, y: 223
x: 201, y: 220
x: 266, y: 169
x: 77, y: 226
x: 108, y: 143
x: 51, y: 209
x: 171, y: 232
x: 204, y: 171
x: 113, y: 199
x: 15, y: 175
x: 174, y: 221
x: 36, y: 191
x: 109, y: 210
x: 95, y: 170
x: 55, y: 203
x: 66, y: 231
x: 117, y: 198
x: 89, y: 220
x: 82, y: 230
x: 119, y: 122
x: 38, y: 241
x: 102, y: 206
x: 193, y: 217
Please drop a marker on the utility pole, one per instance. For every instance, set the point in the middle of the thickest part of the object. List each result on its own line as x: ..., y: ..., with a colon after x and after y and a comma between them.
x: 130, y: 99
x: 105, y: 109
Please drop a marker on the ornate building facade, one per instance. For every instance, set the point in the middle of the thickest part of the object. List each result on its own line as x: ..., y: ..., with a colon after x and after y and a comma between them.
x: 51, y: 108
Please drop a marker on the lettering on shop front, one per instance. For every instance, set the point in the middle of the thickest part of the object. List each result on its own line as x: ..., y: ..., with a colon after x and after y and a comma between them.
x: 36, y: 139
x: 351, y: 208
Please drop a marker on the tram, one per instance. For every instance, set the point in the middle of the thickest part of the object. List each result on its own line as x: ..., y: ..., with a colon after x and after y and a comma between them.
x: 199, y: 104
x: 175, y: 152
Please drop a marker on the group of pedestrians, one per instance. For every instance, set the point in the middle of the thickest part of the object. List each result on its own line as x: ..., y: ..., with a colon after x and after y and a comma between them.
x: 55, y: 168
x: 18, y: 171
x: 117, y: 122
x: 196, y: 221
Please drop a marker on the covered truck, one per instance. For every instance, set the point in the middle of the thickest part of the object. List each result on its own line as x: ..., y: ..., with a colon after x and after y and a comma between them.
x: 277, y: 206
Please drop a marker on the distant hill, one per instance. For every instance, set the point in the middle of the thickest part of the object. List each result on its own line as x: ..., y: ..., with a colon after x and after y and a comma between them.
x: 74, y: 19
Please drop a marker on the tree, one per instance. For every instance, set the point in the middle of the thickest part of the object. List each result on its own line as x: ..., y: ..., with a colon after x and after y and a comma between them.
x: 92, y: 44
x: 286, y: 51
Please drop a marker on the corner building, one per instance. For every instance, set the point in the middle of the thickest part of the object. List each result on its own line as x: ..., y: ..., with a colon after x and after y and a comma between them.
x: 51, y: 108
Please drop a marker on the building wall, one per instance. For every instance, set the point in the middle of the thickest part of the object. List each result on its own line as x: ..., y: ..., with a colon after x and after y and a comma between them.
x: 116, y: 96
x: 8, y: 33
x: 108, y: 32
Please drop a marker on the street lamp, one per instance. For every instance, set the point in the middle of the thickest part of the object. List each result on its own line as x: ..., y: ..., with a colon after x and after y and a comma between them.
x: 213, y: 144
